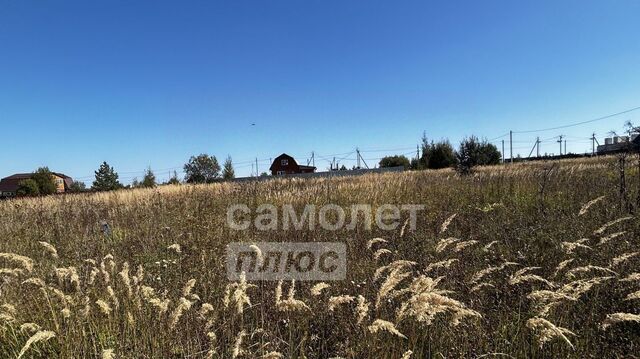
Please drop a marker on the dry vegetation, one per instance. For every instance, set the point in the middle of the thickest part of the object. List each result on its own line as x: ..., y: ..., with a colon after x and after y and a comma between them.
x: 522, y: 261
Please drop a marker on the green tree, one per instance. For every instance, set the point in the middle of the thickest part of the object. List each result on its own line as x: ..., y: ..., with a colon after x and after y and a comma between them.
x: 77, y: 187
x: 45, y: 181
x: 28, y: 187
x: 106, y: 179
x: 394, y: 161
x: 474, y: 152
x: 434, y: 155
x: 441, y: 155
x: 149, y: 179
x: 425, y: 148
x: 202, y: 169
x: 227, y: 169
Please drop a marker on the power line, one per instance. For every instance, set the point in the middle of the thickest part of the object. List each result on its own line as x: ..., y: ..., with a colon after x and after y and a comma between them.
x: 582, y: 122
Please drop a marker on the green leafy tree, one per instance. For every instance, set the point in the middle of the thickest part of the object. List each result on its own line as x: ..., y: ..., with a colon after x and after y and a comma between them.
x: 202, y: 169
x: 28, y: 187
x: 106, y: 179
x: 149, y: 179
x: 45, y: 180
x: 441, y: 155
x: 227, y: 169
x: 474, y: 152
x: 394, y: 161
x: 77, y: 187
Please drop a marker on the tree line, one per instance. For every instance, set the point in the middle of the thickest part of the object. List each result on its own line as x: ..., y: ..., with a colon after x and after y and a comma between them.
x: 471, y: 152
x: 205, y: 168
x: 202, y: 168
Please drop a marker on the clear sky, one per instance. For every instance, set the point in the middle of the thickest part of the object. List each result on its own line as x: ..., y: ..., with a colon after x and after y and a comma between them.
x: 150, y: 83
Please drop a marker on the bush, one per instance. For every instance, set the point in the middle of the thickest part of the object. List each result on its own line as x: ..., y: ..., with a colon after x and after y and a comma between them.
x: 28, y: 187
x: 394, y: 161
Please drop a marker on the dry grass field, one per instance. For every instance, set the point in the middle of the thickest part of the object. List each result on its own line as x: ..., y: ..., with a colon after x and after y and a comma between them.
x: 530, y: 260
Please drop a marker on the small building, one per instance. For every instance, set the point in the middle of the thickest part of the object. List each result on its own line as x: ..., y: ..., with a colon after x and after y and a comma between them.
x: 286, y: 165
x: 9, y: 185
x: 619, y: 144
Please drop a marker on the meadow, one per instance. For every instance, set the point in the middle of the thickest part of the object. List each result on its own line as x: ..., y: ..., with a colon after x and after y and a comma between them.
x: 526, y: 260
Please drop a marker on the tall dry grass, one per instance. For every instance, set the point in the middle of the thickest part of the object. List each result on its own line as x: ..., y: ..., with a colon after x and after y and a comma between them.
x: 498, y: 265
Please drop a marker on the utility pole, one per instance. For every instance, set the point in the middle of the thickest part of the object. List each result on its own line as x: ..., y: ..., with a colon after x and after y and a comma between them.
x: 312, y: 160
x: 503, y: 151
x: 593, y: 144
x: 560, y: 142
x: 536, y: 147
x: 257, y: 173
x: 533, y: 148
x: 358, y: 158
x: 511, y: 145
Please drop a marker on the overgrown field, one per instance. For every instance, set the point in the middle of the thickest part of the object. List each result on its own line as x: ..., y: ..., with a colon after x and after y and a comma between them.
x: 530, y: 260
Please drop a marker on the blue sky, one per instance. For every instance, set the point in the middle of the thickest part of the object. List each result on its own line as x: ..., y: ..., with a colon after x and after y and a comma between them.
x: 150, y: 83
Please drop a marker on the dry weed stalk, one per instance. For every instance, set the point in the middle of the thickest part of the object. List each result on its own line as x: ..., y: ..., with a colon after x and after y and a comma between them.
x: 633, y: 277
x: 441, y: 264
x: 588, y: 205
x: 291, y: 304
x: 602, y: 229
x: 317, y: 289
x: 426, y: 301
x: 444, y: 243
x: 585, y: 269
x: 176, y: 248
x: 522, y: 276
x: 379, y: 325
x: 462, y: 245
x: 633, y: 296
x: 237, y: 347
x: 622, y: 258
x: 561, y: 266
x: 447, y: 222
x: 237, y: 293
x: 29, y: 327
x: 391, y: 266
x: 68, y: 278
x: 380, y: 252
x: 362, y: 309
x: 108, y: 354
x: 394, y: 278
x: 570, y: 247
x: 616, y: 318
x: 487, y: 271
x: 49, y: 248
x: 25, y: 262
x: 610, y: 237
x: 40, y: 336
x: 548, y: 331
x: 334, y: 302
x: 183, y: 305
